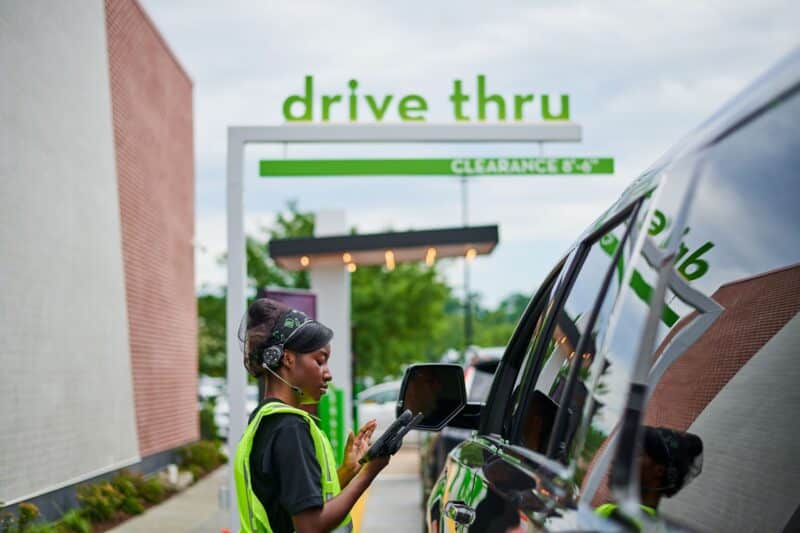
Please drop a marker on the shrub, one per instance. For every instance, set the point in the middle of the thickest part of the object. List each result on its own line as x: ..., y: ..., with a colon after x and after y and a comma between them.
x: 28, y: 512
x: 128, y: 482
x: 152, y: 490
x: 204, y: 454
x: 100, y: 501
x: 208, y: 427
x: 132, y: 505
x: 197, y: 471
x: 73, y: 521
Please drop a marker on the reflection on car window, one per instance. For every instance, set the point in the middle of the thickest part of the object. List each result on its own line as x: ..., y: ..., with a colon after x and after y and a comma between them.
x: 526, y: 364
x: 735, y: 385
x: 570, y: 323
x: 725, y: 364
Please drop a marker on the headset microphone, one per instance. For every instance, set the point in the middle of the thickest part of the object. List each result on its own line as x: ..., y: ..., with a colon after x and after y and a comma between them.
x: 297, y: 390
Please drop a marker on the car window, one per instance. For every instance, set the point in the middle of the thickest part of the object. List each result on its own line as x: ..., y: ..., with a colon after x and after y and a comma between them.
x: 727, y: 372
x: 535, y: 325
x: 717, y: 443
x: 502, y: 396
x: 565, y: 351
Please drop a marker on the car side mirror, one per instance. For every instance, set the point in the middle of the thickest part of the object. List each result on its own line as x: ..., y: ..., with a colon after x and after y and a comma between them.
x: 435, y: 390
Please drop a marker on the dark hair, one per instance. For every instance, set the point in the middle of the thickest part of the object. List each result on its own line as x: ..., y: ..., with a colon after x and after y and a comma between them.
x: 676, y: 451
x: 255, y: 330
x: 267, y: 322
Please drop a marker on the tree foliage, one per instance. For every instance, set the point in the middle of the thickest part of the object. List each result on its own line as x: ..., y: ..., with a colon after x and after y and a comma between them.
x: 398, y: 317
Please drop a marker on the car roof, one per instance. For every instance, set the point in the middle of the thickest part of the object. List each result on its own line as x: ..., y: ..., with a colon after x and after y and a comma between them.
x: 773, y: 84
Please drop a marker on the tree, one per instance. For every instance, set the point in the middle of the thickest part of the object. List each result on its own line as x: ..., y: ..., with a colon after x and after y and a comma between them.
x: 398, y: 317
x: 261, y: 272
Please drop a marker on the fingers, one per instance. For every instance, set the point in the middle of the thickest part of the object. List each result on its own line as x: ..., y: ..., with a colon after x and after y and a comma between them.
x: 350, y: 440
x: 368, y: 433
x: 372, y: 424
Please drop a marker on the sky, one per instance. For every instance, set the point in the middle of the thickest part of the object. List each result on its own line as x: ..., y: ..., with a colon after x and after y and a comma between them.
x: 639, y: 75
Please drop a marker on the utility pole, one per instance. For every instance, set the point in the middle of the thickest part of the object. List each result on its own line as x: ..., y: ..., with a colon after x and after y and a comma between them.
x: 467, y: 296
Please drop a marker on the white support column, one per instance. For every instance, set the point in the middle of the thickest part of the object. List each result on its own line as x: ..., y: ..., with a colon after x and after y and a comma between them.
x: 235, y: 308
x: 331, y: 283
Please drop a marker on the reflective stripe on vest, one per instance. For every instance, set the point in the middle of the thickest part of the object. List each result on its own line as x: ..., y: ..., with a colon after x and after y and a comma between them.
x: 252, y: 515
x: 611, y: 510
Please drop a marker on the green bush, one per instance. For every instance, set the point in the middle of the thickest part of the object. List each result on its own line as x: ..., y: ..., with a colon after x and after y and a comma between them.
x: 197, y: 472
x: 128, y: 482
x: 152, y: 490
x: 208, y: 427
x: 205, y: 455
x: 73, y: 521
x: 132, y: 505
x: 100, y: 501
x: 28, y: 513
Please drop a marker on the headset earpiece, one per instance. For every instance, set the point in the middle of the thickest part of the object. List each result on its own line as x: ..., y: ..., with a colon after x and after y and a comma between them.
x: 271, y: 357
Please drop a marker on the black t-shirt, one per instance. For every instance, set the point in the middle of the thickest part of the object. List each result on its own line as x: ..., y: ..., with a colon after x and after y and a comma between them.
x: 286, y: 473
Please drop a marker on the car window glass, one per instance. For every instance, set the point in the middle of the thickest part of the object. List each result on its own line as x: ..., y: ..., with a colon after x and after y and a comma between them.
x: 726, y: 370
x: 719, y: 447
x: 524, y: 364
x: 570, y: 323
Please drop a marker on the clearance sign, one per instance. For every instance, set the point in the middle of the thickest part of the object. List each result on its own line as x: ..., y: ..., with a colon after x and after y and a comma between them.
x: 491, y: 166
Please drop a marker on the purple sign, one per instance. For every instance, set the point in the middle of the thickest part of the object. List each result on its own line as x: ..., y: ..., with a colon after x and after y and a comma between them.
x: 305, y: 301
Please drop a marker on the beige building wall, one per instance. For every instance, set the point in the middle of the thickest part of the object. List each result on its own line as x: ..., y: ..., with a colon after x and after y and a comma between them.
x: 66, y: 398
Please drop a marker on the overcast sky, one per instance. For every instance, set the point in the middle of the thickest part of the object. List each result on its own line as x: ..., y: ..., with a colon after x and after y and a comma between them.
x: 639, y: 74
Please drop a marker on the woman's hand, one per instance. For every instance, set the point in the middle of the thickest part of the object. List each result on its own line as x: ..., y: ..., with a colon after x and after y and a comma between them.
x: 356, y: 447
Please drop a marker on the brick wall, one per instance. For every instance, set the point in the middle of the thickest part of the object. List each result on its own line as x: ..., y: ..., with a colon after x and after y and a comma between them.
x: 755, y: 310
x: 152, y: 116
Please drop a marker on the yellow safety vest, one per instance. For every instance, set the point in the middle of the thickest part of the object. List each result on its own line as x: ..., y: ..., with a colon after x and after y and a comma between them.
x: 252, y: 515
x: 607, y: 510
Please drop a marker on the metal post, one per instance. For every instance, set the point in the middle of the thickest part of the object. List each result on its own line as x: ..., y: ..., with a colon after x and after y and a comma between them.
x: 467, y: 298
x: 235, y: 307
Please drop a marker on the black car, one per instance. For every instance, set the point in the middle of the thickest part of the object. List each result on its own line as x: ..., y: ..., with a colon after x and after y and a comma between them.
x: 652, y: 381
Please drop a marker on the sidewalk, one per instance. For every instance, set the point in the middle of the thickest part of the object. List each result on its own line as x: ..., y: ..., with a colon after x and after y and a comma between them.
x: 393, y: 502
x: 395, y: 493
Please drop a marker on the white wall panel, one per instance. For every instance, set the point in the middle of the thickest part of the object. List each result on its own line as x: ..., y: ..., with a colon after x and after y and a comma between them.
x: 66, y: 402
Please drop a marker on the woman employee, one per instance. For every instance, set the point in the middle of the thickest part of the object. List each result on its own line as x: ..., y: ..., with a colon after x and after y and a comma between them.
x: 285, y: 472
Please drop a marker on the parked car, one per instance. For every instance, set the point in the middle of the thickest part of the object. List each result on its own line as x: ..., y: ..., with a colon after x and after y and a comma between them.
x: 379, y: 402
x: 434, y: 447
x: 675, y: 312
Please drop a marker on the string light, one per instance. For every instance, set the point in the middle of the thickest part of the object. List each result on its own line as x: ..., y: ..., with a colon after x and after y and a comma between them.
x: 430, y: 256
x: 347, y: 258
x: 351, y: 267
x: 471, y: 253
x: 305, y: 261
x: 389, y: 259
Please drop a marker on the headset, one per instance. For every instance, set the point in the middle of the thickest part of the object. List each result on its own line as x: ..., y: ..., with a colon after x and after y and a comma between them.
x: 273, y: 355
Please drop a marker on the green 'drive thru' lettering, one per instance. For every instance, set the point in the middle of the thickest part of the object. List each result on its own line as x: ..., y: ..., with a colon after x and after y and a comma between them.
x: 480, y: 105
x: 692, y: 268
